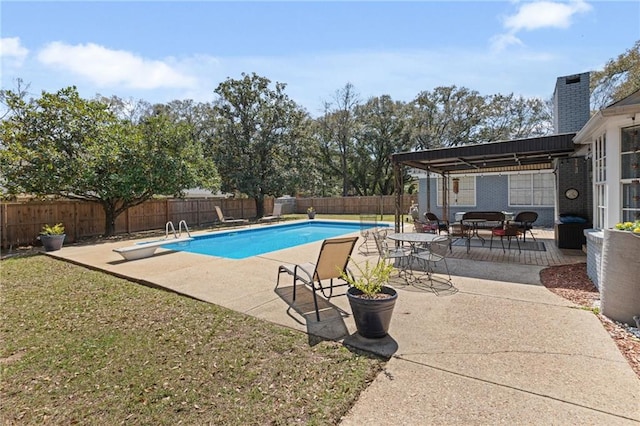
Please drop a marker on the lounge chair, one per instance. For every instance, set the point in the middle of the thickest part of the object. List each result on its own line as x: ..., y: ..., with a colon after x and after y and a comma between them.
x: 227, y: 219
x: 275, y: 215
x: 324, y: 274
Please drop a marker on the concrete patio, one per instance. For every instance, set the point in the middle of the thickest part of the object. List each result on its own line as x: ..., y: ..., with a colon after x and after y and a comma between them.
x: 498, y: 347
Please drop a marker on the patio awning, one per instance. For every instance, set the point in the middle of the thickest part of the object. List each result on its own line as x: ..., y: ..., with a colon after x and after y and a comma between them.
x: 520, y: 154
x: 536, y: 153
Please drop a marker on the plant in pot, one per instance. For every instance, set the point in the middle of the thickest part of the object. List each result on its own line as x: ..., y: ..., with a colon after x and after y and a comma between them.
x: 311, y: 212
x: 371, y: 300
x: 52, y: 237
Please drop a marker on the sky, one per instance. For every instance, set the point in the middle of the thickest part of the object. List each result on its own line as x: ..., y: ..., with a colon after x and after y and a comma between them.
x: 159, y: 51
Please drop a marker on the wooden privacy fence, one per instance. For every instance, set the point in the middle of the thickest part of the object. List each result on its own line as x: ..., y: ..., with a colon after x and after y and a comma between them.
x: 21, y: 222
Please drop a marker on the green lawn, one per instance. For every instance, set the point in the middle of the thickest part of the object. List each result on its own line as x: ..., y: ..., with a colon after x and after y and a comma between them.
x: 80, y: 346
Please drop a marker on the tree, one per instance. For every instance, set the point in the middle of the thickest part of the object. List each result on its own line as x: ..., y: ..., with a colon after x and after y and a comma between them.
x: 61, y: 144
x: 381, y: 131
x: 619, y: 78
x: 335, y: 132
x: 509, y: 117
x: 259, y: 138
x: 448, y: 116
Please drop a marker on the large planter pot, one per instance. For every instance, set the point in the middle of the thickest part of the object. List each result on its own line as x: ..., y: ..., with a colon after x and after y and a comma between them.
x: 372, y: 316
x: 52, y: 242
x: 311, y: 215
x: 620, y: 286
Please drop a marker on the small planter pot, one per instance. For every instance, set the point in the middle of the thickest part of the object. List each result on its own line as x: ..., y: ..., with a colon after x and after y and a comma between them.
x: 52, y: 242
x: 312, y: 215
x: 372, y: 316
x: 620, y: 286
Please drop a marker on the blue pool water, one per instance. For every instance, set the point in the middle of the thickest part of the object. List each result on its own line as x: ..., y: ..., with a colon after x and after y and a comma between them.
x: 243, y: 243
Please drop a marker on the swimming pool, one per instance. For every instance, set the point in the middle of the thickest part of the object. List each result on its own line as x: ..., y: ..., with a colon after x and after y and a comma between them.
x: 243, y: 243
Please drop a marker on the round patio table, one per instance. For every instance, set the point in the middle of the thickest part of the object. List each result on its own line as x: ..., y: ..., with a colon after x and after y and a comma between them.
x: 473, y: 223
x: 416, y: 239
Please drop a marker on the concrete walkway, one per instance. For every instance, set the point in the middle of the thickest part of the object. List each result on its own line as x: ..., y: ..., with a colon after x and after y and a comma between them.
x: 497, y: 348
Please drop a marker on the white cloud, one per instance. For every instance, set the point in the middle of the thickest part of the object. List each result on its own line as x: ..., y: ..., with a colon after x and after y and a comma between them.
x: 537, y: 15
x: 109, y: 68
x: 545, y: 14
x: 12, y: 50
x: 502, y: 41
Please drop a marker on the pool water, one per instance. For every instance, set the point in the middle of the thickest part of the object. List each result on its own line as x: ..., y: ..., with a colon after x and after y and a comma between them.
x: 243, y: 243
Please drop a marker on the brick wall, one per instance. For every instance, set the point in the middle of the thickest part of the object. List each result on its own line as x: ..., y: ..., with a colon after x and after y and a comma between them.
x: 574, y: 173
x: 571, y: 103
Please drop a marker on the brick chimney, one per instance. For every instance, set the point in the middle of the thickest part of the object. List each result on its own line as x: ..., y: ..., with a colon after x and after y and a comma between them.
x: 571, y: 107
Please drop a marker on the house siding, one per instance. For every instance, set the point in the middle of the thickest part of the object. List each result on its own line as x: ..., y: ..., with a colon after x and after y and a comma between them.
x: 492, y: 194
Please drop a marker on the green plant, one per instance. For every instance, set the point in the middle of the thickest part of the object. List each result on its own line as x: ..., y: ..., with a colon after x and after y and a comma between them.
x: 371, y: 279
x: 57, y: 229
x: 629, y: 226
x: 311, y: 210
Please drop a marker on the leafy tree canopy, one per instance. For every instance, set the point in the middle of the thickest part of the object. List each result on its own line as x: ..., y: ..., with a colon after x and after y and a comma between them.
x: 260, y: 138
x: 61, y: 144
x: 619, y: 78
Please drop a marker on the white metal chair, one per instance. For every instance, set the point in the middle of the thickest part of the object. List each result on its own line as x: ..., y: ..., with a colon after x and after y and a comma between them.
x: 367, y: 232
x: 401, y: 256
x: 435, y: 252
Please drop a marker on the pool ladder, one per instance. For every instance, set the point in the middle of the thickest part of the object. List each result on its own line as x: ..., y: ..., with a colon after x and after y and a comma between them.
x: 178, y: 234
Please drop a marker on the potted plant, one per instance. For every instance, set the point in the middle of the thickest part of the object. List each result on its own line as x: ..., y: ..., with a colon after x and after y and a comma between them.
x: 52, y: 237
x: 371, y: 300
x: 311, y: 212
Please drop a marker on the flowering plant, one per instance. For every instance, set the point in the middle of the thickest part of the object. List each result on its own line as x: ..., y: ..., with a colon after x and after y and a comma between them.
x: 311, y: 210
x: 629, y: 226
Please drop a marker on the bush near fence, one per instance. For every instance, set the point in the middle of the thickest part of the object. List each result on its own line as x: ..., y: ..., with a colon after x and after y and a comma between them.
x: 21, y: 222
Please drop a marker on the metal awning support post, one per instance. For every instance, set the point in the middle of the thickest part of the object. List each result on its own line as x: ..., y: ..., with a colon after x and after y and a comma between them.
x: 428, y: 190
x: 399, y: 190
x: 445, y: 196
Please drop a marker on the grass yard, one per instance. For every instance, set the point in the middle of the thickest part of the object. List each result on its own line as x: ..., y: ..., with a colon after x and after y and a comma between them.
x: 80, y: 346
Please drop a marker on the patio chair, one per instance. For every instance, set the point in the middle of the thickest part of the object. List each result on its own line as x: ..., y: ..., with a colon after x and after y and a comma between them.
x: 275, y: 215
x: 323, y: 275
x: 509, y: 232
x: 400, y: 254
x: 435, y: 223
x: 227, y: 219
x: 419, y: 226
x: 524, y: 222
x: 434, y: 253
x: 367, y: 246
x: 457, y: 231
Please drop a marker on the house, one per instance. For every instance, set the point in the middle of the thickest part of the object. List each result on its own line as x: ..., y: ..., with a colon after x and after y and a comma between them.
x: 530, y: 174
x: 612, y: 141
x: 589, y: 168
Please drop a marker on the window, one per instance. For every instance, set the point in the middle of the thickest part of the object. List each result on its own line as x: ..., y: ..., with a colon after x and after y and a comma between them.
x: 466, y: 195
x: 600, y: 178
x: 531, y: 189
x: 630, y: 173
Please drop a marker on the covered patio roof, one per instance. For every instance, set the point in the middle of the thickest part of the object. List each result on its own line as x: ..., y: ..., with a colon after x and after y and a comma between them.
x: 536, y: 153
x: 520, y: 154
